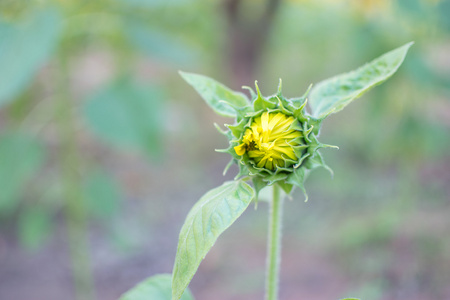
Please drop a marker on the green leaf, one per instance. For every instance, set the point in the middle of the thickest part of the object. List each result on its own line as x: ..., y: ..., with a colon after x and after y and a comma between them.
x: 24, y: 49
x: 219, y: 97
x: 20, y: 158
x: 159, y: 44
x: 332, y: 95
x: 153, y: 4
x: 128, y: 115
x: 35, y: 224
x: 102, y: 194
x: 158, y: 287
x: 209, y: 217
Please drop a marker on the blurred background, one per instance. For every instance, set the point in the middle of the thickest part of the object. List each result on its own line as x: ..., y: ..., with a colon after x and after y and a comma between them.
x: 104, y: 149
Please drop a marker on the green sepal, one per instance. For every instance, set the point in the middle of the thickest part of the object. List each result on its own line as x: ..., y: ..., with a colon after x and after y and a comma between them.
x: 221, y: 131
x: 238, y: 129
x: 287, y: 187
x: 301, y: 160
x: 243, y: 171
x: 297, y: 178
x: 262, y: 103
x: 252, y: 92
x: 271, y: 179
x: 299, y: 103
x: 316, y: 161
x: 317, y: 123
x: 282, y: 106
x: 227, y: 167
x: 279, y: 91
x: 258, y: 185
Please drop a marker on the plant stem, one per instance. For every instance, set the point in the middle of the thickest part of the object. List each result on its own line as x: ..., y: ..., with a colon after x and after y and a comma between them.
x: 274, y: 245
x: 75, y: 209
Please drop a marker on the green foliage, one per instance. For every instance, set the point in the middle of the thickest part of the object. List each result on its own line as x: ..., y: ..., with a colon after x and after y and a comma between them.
x: 206, y: 221
x: 220, y: 98
x: 128, y: 115
x: 159, y: 44
x: 35, y: 224
x: 102, y: 194
x: 20, y: 158
x: 24, y: 48
x: 332, y: 95
x: 158, y: 287
x: 250, y: 137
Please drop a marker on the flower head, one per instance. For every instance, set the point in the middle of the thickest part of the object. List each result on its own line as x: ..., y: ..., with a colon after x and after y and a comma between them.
x: 274, y: 141
x: 270, y: 141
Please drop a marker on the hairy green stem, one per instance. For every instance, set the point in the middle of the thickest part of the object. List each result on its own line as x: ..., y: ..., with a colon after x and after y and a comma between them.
x: 75, y: 210
x: 274, y: 245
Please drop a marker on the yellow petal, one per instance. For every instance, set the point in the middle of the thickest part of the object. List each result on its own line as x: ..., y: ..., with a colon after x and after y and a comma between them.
x: 240, y: 150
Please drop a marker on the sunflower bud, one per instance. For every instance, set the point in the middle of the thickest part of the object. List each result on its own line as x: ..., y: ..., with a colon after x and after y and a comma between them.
x: 275, y: 141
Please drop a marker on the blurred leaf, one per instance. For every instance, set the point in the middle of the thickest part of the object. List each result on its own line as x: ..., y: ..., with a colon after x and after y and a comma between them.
x: 217, y: 96
x: 154, y: 3
x: 444, y: 13
x: 332, y: 95
x: 23, y: 50
x: 102, y: 194
x: 20, y: 157
x: 157, y: 43
x: 127, y: 114
x: 414, y: 7
x: 206, y: 221
x: 35, y: 225
x: 158, y: 287
x: 424, y: 74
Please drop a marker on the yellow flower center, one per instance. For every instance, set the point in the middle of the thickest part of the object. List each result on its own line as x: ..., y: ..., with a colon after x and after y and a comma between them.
x: 270, y: 139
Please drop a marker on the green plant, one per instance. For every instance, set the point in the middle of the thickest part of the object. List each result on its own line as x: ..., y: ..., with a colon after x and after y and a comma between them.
x: 274, y: 142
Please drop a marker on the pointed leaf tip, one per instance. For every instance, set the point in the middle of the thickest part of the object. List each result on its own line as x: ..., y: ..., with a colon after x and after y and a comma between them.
x: 219, y: 97
x: 333, y: 94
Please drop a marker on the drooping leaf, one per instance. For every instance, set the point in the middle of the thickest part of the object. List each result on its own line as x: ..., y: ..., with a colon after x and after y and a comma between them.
x: 158, y: 287
x: 102, y: 194
x: 332, y: 95
x: 219, y: 97
x: 20, y: 158
x: 128, y: 115
x: 24, y: 48
x: 209, y: 217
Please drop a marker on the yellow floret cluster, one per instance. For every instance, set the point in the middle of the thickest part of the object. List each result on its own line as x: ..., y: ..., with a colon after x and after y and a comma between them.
x: 270, y: 139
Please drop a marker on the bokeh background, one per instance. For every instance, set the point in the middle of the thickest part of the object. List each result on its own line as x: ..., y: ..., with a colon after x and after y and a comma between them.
x: 104, y: 149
